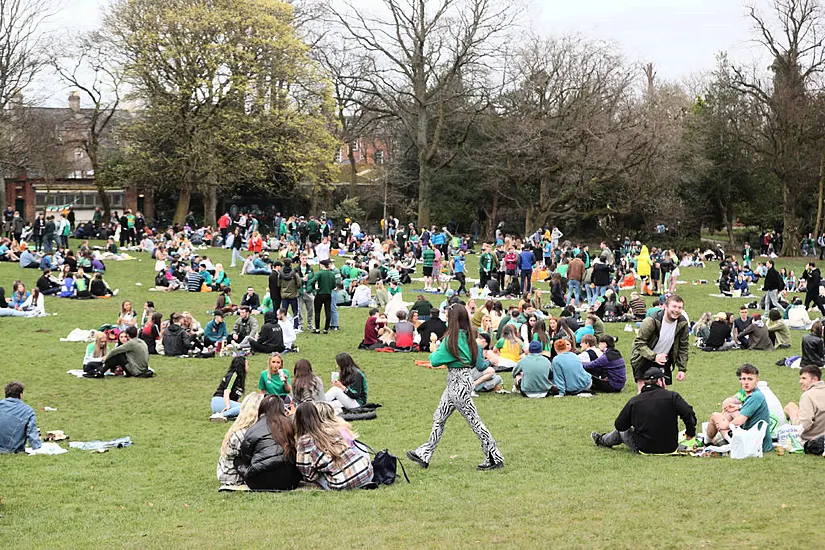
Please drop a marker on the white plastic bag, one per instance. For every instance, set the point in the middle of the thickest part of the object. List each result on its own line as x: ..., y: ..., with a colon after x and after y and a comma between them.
x: 748, y: 443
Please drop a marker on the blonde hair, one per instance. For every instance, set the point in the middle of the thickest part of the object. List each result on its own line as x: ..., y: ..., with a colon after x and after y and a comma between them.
x: 246, y: 418
x: 328, y: 416
x: 100, y: 337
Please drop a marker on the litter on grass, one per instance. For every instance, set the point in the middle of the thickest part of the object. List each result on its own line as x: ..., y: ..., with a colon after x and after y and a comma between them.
x: 96, y: 445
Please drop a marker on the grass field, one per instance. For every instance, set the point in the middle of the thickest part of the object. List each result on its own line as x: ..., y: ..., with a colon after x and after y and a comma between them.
x: 557, y: 489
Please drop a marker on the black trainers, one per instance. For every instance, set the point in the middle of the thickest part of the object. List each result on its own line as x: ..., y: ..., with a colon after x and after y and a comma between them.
x: 326, y: 331
x: 597, y: 438
x: 417, y: 459
x: 316, y: 331
x: 490, y: 464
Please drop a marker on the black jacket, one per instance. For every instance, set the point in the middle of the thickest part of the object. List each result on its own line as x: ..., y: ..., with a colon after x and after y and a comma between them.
x: 654, y: 415
x: 601, y: 274
x: 175, y: 341
x: 254, y: 301
x: 275, y: 288
x: 773, y: 280
x: 813, y: 350
x: 263, y: 463
x: 719, y: 333
x: 814, y: 278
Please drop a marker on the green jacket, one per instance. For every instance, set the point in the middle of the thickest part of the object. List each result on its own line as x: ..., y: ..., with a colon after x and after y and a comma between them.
x: 648, y: 337
x: 323, y: 281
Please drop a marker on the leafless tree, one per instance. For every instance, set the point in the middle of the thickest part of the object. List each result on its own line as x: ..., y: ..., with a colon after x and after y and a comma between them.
x: 794, y: 36
x: 89, y: 66
x: 22, y: 56
x: 428, y: 60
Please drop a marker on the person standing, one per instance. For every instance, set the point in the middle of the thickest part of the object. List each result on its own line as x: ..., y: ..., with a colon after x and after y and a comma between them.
x: 526, y: 262
x: 459, y: 265
x: 460, y: 353
x: 48, y: 234
x: 575, y: 274
x: 486, y: 265
x: 814, y: 279
x: 17, y: 421
x: 324, y: 283
x: 306, y: 298
x: 65, y: 230
x: 290, y: 283
x: 773, y: 286
x: 662, y: 342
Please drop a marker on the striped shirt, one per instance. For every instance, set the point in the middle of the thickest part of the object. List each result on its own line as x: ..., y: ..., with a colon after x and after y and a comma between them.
x: 355, y: 470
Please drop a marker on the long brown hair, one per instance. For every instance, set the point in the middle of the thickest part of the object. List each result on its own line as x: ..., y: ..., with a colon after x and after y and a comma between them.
x: 328, y: 439
x: 280, y: 426
x: 540, y: 332
x: 304, y: 377
x: 457, y: 321
x: 816, y: 329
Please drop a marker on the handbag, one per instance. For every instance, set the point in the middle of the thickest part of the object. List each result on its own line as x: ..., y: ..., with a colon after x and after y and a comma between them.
x: 384, y: 465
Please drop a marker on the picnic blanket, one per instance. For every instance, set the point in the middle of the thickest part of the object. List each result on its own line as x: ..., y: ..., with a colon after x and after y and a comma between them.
x: 80, y: 335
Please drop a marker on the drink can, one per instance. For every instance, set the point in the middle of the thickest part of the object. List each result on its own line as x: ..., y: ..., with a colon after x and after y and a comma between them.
x: 780, y: 450
x: 218, y: 346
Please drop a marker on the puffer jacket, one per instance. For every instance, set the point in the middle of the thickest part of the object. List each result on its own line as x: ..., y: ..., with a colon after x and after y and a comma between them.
x: 262, y: 461
x: 813, y: 350
x: 175, y: 341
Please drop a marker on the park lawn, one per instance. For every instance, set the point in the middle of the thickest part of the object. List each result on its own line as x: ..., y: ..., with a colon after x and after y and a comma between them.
x: 557, y: 488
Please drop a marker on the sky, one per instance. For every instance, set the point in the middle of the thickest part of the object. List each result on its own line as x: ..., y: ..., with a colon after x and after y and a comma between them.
x: 680, y: 37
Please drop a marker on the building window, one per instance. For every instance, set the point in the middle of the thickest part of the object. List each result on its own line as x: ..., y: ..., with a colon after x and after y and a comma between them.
x: 79, y: 154
x: 339, y: 156
x: 379, y: 157
x: 354, y: 146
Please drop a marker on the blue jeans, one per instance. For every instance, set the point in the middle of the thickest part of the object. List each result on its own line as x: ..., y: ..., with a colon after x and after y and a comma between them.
x: 285, y: 303
x: 218, y: 405
x: 258, y: 271
x: 333, y: 322
x: 591, y: 293
x: 600, y: 290
x: 526, y: 280
x: 574, y: 288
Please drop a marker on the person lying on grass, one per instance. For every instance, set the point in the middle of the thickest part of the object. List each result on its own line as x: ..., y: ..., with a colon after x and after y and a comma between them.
x: 754, y: 408
x: 649, y: 422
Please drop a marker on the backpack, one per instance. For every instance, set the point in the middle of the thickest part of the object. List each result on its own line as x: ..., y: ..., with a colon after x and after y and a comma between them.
x: 384, y: 465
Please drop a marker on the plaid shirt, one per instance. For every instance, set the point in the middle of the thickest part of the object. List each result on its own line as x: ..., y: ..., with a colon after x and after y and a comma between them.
x: 355, y: 470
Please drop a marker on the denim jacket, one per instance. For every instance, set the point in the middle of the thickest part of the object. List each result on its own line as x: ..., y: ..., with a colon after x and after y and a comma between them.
x: 17, y: 422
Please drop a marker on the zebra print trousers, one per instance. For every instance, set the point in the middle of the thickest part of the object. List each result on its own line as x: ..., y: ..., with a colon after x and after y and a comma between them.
x: 456, y: 396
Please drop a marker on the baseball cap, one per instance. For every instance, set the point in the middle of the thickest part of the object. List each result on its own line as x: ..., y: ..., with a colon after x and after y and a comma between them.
x: 654, y: 373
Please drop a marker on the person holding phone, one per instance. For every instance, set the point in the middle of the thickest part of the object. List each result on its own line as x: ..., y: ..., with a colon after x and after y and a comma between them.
x: 275, y: 379
x: 349, y: 387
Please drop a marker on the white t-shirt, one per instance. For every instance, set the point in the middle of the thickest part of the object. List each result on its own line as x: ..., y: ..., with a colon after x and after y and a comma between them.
x: 666, y: 336
x: 322, y: 251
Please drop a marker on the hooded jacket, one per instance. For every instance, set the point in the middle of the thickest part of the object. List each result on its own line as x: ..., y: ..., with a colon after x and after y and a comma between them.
x: 290, y: 283
x: 175, y: 340
x: 612, y: 363
x: 647, y: 338
x: 263, y: 463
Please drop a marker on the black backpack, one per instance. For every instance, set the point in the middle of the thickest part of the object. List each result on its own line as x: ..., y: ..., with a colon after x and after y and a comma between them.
x: 384, y: 465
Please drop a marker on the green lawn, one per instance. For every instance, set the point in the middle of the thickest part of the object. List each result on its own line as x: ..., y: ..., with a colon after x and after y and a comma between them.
x: 557, y: 488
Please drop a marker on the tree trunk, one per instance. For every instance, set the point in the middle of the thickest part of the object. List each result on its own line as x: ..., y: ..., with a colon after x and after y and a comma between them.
x: 729, y: 221
x: 819, y: 202
x: 184, y: 196
x: 2, y: 189
x: 104, y: 197
x: 353, y: 174
x: 423, y: 188
x: 790, y: 231
x: 210, y: 203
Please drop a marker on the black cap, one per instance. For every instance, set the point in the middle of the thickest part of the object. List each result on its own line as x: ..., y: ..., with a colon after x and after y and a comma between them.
x: 654, y: 373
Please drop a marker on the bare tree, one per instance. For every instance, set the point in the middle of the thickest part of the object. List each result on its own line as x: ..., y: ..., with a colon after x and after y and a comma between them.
x: 429, y: 59
x: 22, y: 56
x: 794, y: 36
x: 89, y: 66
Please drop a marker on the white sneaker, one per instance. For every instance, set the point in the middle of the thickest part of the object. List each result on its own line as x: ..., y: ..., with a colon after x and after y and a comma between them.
x: 514, y: 390
x: 217, y: 417
x: 116, y: 291
x: 473, y: 394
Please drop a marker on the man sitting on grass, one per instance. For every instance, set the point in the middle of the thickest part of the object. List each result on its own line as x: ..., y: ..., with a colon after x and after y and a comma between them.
x: 17, y: 421
x: 532, y: 374
x: 754, y: 408
x: 810, y: 412
x: 649, y: 422
x: 132, y: 356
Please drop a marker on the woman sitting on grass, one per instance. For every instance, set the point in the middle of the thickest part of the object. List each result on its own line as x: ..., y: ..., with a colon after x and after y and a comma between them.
x: 99, y: 288
x: 127, y: 317
x: 307, y: 386
x: 6, y: 311
x: 324, y: 456
x: 35, y: 303
x: 350, y: 390
x: 228, y: 474
x: 331, y: 418
x: 226, y: 399
x: 507, y: 350
x: 151, y: 332
x: 95, y: 353
x: 267, y: 457
x: 81, y: 285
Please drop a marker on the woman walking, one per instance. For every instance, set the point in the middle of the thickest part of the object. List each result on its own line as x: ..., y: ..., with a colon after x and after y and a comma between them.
x: 459, y: 352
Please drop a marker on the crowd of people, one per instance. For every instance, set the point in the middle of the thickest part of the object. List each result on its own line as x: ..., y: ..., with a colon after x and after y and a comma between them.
x: 551, y: 342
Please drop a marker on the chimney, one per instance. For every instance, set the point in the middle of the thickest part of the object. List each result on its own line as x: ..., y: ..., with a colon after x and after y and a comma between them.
x: 74, y: 102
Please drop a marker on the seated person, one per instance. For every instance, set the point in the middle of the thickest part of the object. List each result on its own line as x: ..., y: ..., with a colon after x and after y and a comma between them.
x: 132, y: 356
x: 719, y: 336
x: 758, y: 337
x: 637, y: 305
x: 608, y: 371
x: 649, y: 422
x: 507, y: 351
x: 423, y: 306
x: 741, y: 285
x: 362, y: 295
x: 275, y: 379
x: 19, y: 296
x: 224, y: 303
x: 404, y: 331
x: 778, y: 331
x: 228, y: 474
x: 151, y: 332
x: 568, y: 374
x: 586, y: 329
x: 98, y: 287
x: 431, y: 330
x: 251, y: 300
x: 532, y: 375
x: 176, y: 340
x: 193, y: 280
x: 246, y: 327
x: 324, y: 455
x: 350, y: 390
x: 589, y: 349
x: 372, y: 332
x: 267, y: 457
x: 484, y: 375
x: 754, y: 409
x: 215, y: 330
x: 17, y: 421
x: 95, y: 353
x: 29, y: 260
x: 270, y: 339
x: 226, y: 401
x: 810, y: 413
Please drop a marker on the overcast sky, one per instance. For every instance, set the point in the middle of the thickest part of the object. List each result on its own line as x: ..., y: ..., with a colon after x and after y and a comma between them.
x: 681, y: 37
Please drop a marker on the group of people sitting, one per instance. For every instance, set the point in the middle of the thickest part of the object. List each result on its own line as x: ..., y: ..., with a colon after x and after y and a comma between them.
x: 289, y: 432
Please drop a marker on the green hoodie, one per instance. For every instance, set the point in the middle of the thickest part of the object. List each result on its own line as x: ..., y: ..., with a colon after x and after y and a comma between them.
x: 442, y: 355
